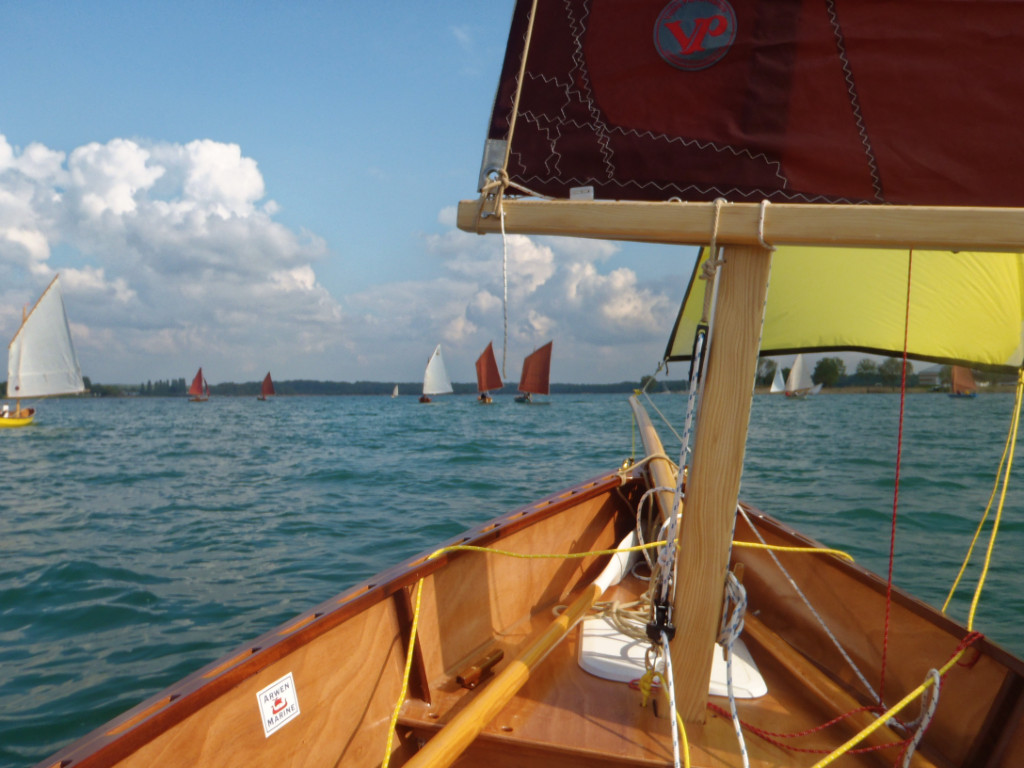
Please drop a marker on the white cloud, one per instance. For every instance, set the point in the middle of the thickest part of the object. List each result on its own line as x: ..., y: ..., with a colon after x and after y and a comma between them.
x: 171, y: 258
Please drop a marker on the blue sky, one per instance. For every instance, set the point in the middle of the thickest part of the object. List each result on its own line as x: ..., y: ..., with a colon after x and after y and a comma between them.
x: 254, y: 186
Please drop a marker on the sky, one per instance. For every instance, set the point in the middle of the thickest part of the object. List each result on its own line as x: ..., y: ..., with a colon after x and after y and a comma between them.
x: 272, y: 186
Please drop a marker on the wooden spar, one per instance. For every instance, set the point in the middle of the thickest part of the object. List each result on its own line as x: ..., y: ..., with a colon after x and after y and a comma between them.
x: 880, y: 226
x: 705, y: 535
x: 662, y: 473
x: 445, y: 747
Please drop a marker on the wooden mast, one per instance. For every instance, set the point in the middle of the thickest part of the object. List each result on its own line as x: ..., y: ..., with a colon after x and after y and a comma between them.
x: 705, y: 536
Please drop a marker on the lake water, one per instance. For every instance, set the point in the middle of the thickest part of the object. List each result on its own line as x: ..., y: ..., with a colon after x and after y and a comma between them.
x: 142, y: 538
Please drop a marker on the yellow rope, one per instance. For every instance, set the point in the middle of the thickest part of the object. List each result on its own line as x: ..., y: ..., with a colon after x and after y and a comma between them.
x: 645, y: 685
x: 1002, y: 501
x: 561, y: 555
x: 803, y: 550
x: 886, y: 716
x: 1007, y: 451
x: 405, y: 676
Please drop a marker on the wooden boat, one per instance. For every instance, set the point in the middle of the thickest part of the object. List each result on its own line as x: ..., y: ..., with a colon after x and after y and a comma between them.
x: 962, y: 382
x: 435, y: 377
x: 536, y: 372
x: 488, y: 377
x: 471, y: 654
x: 41, y: 359
x: 798, y: 383
x: 199, y: 390
x: 266, y: 388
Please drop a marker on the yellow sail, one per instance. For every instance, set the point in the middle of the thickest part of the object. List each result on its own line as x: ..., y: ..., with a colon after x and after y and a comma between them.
x: 963, y: 307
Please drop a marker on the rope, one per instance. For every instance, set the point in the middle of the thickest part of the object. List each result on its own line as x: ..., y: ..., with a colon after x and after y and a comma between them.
x: 1011, y: 441
x: 1002, y: 500
x: 804, y: 550
x: 730, y: 633
x: 760, y: 225
x: 896, y: 486
x: 899, y: 706
x: 405, y: 675
x: 929, y: 703
x: 806, y: 601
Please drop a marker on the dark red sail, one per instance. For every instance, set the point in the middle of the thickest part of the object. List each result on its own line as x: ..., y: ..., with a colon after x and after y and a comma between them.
x: 768, y: 99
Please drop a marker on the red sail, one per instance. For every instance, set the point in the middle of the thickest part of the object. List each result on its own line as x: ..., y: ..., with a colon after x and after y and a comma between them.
x: 962, y: 381
x: 198, y: 388
x: 268, y: 386
x: 768, y: 99
x: 487, y: 375
x: 536, y: 368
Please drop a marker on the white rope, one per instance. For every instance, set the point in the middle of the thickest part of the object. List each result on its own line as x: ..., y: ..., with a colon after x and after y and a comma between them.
x: 760, y: 226
x: 732, y: 627
x: 670, y: 684
x: 817, y: 616
x: 928, y: 708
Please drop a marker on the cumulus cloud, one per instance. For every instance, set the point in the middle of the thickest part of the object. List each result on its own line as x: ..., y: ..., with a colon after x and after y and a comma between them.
x: 168, y: 252
x: 171, y: 257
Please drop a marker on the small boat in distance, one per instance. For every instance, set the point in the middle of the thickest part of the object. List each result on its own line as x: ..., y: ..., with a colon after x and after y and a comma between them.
x: 394, y: 392
x: 778, y: 385
x: 799, y: 384
x: 487, y: 375
x: 41, y: 359
x: 199, y: 391
x: 962, y: 382
x: 435, y: 377
x: 266, y: 388
x: 536, y: 371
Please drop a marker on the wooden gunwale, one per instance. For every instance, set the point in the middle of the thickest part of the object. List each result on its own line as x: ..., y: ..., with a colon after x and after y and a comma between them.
x: 125, y: 734
x: 766, y: 522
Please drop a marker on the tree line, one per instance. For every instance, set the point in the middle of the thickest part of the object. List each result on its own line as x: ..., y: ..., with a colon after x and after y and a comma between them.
x: 831, y: 372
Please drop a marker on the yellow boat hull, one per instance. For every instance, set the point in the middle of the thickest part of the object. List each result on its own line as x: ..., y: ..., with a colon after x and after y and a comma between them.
x: 22, y: 420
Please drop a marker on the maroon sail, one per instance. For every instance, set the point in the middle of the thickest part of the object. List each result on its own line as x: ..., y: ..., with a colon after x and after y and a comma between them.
x: 487, y: 375
x: 267, y: 388
x: 199, y: 390
x: 874, y: 101
x: 536, y: 368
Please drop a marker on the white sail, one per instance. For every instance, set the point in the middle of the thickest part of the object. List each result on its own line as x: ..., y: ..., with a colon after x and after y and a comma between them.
x: 778, y: 385
x: 435, y: 378
x: 394, y: 392
x: 799, y: 378
x: 41, y: 359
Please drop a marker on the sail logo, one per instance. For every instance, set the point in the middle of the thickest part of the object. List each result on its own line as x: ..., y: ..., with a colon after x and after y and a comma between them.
x: 695, y: 34
x: 279, y: 703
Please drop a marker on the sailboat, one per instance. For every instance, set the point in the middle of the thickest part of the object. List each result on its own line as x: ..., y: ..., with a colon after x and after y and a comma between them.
x: 484, y: 650
x: 778, y: 385
x: 199, y: 390
x: 798, y: 383
x: 962, y: 382
x: 266, y: 388
x: 488, y: 377
x: 536, y: 370
x: 435, y: 377
x: 41, y: 359
x: 394, y: 392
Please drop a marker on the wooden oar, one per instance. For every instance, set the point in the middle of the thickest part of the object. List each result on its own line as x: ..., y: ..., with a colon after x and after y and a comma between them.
x: 446, y: 746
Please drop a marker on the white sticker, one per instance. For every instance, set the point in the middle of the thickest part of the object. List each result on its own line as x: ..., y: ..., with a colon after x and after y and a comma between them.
x: 581, y: 193
x: 279, y: 703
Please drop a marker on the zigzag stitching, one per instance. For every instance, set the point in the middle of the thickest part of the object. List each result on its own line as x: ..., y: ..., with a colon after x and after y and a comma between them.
x: 538, y: 119
x: 876, y: 180
x: 670, y: 190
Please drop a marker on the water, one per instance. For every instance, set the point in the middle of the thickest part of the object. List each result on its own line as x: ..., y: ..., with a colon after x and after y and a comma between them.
x: 142, y: 538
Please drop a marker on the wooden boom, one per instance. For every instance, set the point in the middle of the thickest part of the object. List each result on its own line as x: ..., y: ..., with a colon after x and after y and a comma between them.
x: 881, y: 226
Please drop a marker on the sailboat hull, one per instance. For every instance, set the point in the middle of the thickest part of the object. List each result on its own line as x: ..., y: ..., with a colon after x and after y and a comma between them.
x: 343, y: 661
x: 18, y: 421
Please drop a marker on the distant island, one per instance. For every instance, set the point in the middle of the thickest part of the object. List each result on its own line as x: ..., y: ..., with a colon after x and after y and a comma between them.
x: 179, y: 388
